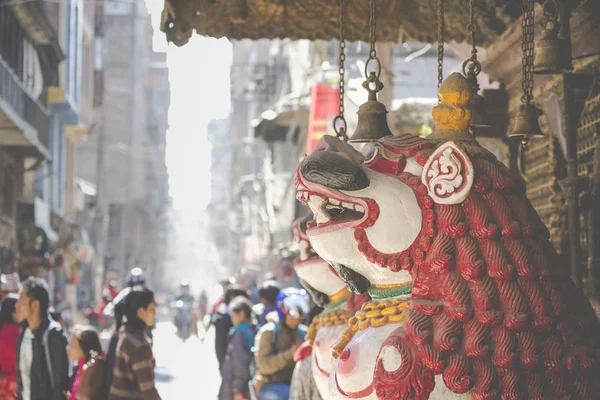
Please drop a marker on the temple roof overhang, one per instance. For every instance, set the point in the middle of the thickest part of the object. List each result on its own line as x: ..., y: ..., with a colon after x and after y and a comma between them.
x: 318, y: 19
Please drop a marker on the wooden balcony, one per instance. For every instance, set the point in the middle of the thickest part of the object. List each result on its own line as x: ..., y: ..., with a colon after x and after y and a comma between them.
x: 23, y: 119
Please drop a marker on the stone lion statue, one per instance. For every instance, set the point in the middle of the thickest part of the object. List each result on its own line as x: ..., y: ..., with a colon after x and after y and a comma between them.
x: 470, y: 300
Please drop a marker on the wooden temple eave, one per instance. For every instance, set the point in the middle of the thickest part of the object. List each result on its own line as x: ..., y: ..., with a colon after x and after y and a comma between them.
x: 319, y: 20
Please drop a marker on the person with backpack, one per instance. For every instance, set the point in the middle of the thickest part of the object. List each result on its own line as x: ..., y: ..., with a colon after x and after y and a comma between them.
x: 276, y: 343
x: 84, y: 348
x: 42, y: 363
x: 236, y: 366
x: 116, y: 312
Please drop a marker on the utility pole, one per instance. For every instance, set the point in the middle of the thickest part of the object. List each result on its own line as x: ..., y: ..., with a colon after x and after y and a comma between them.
x: 99, y: 222
x: 100, y: 213
x: 133, y: 113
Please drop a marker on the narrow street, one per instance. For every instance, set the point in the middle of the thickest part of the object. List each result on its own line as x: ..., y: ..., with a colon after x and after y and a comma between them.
x: 185, y: 370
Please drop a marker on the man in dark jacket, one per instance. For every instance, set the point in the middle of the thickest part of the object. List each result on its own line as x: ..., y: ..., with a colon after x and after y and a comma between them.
x: 42, y: 363
x: 222, y: 323
x: 236, y: 367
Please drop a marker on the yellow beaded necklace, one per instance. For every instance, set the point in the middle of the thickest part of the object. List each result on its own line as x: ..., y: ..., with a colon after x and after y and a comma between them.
x: 326, y: 319
x: 372, y: 314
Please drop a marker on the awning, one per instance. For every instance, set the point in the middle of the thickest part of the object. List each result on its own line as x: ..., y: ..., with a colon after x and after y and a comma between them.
x: 318, y: 19
x: 285, y: 120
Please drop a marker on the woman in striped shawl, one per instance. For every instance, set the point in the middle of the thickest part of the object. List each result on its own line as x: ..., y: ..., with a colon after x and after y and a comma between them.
x: 133, y: 376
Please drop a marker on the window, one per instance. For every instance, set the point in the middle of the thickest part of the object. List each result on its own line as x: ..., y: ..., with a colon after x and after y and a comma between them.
x: 7, y: 184
x: 12, y: 39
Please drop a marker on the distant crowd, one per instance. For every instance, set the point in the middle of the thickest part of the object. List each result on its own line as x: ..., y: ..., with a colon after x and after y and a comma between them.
x: 256, y: 344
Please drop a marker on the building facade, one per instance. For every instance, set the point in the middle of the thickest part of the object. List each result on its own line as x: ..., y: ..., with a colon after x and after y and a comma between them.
x: 30, y: 54
x: 125, y: 156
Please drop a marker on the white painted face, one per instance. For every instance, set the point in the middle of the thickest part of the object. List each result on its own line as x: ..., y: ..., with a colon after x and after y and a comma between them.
x: 318, y: 274
x: 322, y: 358
x: 396, y: 228
x: 313, y: 269
x: 352, y: 373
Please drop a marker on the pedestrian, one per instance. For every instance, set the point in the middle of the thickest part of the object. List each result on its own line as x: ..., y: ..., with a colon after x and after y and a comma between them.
x: 42, y: 364
x: 133, y: 376
x: 276, y: 343
x: 84, y: 348
x: 268, y: 295
x: 236, y: 366
x: 92, y: 315
x: 222, y: 323
x: 57, y: 316
x: 117, y: 313
x: 9, y: 283
x: 9, y: 333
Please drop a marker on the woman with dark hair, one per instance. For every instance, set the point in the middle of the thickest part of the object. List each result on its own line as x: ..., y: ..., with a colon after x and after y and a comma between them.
x: 9, y: 333
x: 84, y: 348
x: 133, y: 376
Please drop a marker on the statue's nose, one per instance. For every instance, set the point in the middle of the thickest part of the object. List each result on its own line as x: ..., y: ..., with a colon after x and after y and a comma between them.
x: 334, y: 170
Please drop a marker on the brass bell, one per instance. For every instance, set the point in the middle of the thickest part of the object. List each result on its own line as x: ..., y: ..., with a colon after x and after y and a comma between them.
x: 526, y: 124
x: 372, y: 121
x: 477, y: 104
x: 549, y: 56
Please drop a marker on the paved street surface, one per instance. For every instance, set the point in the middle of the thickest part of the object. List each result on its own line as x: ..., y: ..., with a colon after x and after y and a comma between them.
x: 185, y: 370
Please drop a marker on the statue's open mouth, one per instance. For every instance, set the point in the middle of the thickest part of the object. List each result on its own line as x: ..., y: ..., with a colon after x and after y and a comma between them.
x: 321, y: 181
x: 307, y: 255
x: 332, y: 209
x: 331, y: 213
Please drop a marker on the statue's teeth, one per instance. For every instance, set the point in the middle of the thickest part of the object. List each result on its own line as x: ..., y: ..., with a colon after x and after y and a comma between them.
x: 334, y: 202
x: 360, y: 209
x: 322, y: 216
x: 349, y: 206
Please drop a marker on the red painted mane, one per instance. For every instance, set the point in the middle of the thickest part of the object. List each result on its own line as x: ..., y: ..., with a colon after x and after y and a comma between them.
x: 493, y: 308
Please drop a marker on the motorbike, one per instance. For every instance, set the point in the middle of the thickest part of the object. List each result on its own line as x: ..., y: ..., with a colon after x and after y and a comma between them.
x: 184, y: 319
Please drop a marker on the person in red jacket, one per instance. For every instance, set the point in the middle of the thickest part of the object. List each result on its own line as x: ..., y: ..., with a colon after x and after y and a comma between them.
x: 9, y: 333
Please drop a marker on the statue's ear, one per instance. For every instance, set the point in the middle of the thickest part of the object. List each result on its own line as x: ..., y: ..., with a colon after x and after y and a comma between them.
x: 448, y: 174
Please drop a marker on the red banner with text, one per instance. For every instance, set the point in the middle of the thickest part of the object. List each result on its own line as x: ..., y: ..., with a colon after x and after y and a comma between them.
x: 323, y: 109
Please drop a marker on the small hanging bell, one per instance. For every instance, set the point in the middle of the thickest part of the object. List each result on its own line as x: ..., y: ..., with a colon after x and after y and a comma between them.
x: 372, y: 121
x: 477, y: 104
x: 549, y: 56
x: 526, y: 124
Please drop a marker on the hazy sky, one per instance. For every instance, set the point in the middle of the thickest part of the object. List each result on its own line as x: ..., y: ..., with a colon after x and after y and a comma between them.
x: 200, y: 90
x: 199, y: 77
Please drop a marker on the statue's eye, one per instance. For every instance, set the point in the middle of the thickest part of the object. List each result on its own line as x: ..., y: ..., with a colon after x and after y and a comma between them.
x: 370, y: 152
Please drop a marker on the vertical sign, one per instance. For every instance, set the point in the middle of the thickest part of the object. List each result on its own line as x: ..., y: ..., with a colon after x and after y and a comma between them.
x: 323, y: 108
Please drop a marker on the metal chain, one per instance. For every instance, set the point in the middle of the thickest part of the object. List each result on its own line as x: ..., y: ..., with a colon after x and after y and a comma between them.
x: 472, y: 64
x: 472, y: 27
x: 527, y: 24
x: 440, y: 42
x: 373, y: 51
x: 372, y: 37
x: 341, y: 132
